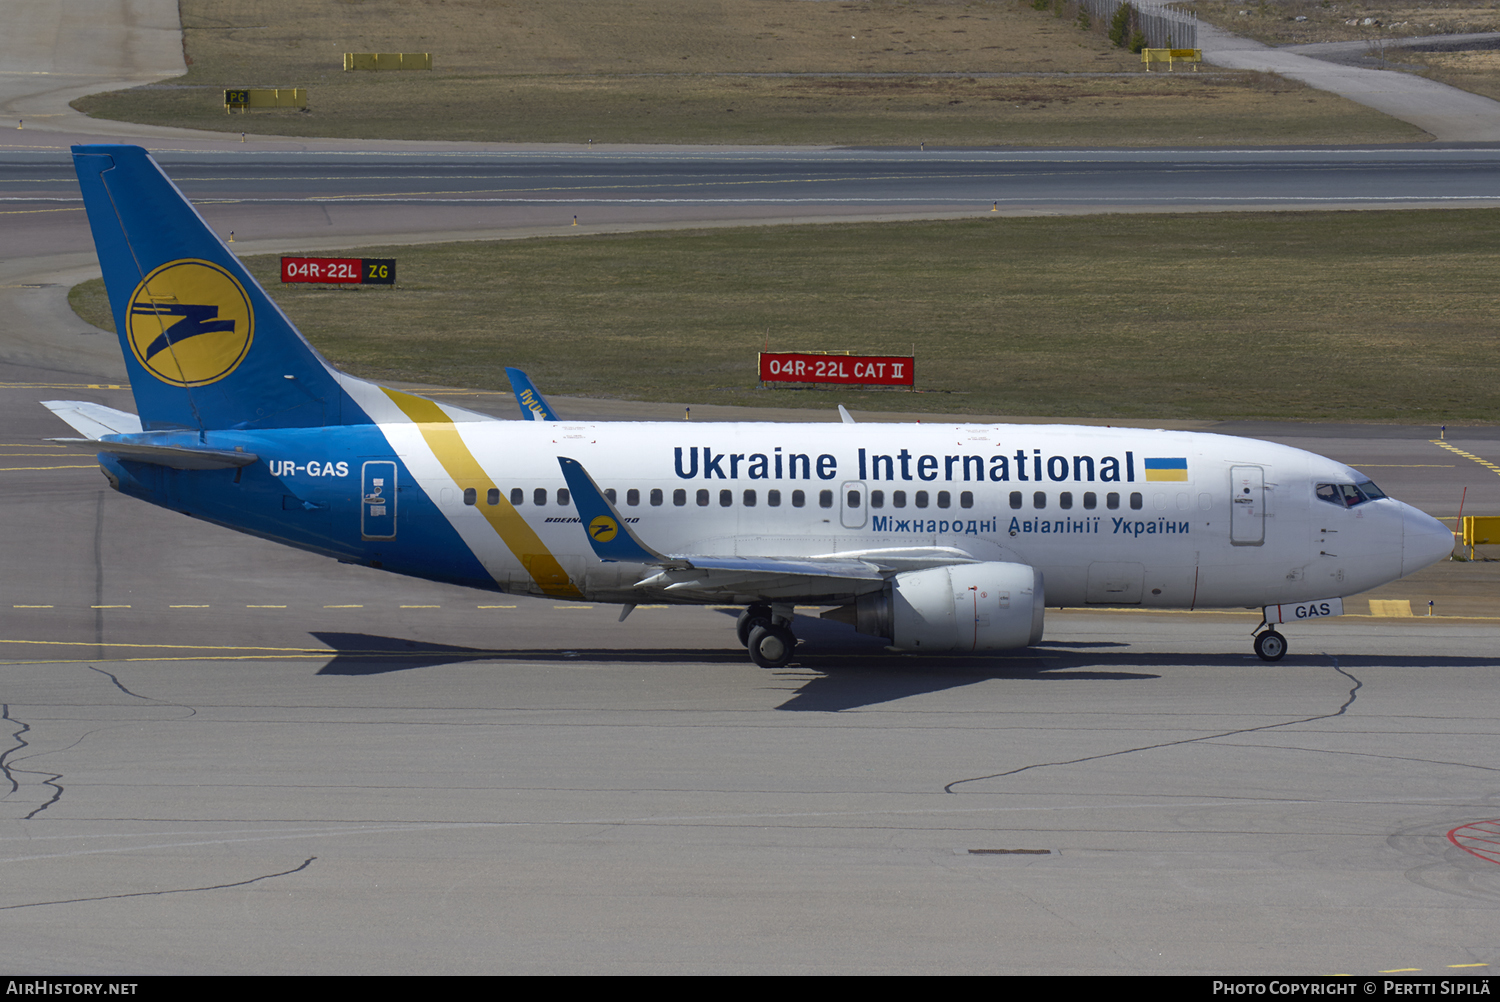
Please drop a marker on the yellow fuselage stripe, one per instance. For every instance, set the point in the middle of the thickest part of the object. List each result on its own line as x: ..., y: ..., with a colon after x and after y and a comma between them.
x: 448, y: 446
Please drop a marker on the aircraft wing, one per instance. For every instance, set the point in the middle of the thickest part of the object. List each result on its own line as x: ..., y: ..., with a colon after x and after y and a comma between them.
x: 833, y: 575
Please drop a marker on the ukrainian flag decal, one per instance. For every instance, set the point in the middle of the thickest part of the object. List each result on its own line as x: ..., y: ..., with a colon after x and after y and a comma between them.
x: 1166, y: 469
x: 190, y: 323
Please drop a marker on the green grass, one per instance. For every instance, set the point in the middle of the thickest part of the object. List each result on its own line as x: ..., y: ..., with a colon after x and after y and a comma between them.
x: 672, y: 71
x: 1159, y: 109
x: 1375, y: 316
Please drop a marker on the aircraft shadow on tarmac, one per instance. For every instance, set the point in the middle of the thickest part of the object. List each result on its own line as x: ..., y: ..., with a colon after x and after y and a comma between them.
x: 855, y: 670
x: 366, y: 654
x: 837, y: 670
x: 834, y: 670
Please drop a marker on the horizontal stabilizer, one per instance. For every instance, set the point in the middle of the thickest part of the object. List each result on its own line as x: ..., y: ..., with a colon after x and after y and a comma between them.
x: 178, y: 457
x: 94, y: 420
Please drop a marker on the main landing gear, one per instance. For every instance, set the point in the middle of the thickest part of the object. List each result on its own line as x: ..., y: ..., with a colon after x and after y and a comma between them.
x: 1270, y: 646
x: 765, y: 630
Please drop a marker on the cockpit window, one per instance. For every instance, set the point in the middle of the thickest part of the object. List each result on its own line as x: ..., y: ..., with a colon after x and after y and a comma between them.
x: 1349, y: 495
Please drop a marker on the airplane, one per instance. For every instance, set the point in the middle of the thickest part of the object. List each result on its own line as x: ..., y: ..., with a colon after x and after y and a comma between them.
x: 934, y: 537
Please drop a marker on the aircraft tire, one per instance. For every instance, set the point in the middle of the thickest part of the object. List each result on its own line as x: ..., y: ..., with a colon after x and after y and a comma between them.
x: 1270, y: 646
x: 756, y: 615
x: 772, y: 646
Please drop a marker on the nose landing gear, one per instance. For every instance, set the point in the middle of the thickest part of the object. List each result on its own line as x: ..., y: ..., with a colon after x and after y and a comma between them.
x: 1270, y: 646
x: 765, y: 631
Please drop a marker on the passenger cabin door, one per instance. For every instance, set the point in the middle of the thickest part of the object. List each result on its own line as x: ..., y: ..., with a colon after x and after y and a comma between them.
x: 1247, y: 506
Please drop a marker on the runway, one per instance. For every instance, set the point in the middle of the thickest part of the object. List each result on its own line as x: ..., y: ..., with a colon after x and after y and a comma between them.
x: 265, y: 190
x: 221, y: 756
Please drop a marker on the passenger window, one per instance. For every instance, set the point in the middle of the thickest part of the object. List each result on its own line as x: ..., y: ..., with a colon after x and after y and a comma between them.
x: 703, y: 499
x: 877, y: 499
x: 609, y: 492
x: 539, y: 496
x: 1039, y: 499
x: 492, y: 496
x: 773, y: 498
x: 1015, y: 499
x: 1065, y: 500
x: 1090, y: 500
x: 966, y: 499
x: 853, y: 499
x: 749, y: 499
x: 921, y: 499
x: 726, y: 498
x: 470, y: 495
x: 798, y: 499
x: 898, y: 499
x: 1136, y: 501
x: 825, y: 499
x: 945, y: 500
x: 633, y: 497
x: 656, y: 497
x: 562, y: 496
x: 679, y: 497
x: 1111, y: 500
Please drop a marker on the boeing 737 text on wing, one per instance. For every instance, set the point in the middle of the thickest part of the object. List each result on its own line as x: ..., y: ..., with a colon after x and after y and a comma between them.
x: 935, y: 537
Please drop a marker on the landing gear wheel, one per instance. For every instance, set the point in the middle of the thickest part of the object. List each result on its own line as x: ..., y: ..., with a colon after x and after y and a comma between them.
x: 771, y: 646
x: 1270, y: 646
x: 756, y: 615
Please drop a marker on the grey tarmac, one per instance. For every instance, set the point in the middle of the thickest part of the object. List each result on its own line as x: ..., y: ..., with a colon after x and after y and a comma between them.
x: 218, y: 755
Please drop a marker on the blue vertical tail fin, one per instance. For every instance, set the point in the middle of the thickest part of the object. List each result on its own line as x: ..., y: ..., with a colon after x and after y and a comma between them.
x: 205, y: 346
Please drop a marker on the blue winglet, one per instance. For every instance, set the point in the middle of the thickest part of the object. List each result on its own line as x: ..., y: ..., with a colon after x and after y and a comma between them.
x: 534, y: 406
x: 609, y: 534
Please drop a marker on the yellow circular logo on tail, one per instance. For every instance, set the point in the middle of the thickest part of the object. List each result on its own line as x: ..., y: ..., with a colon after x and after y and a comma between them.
x: 603, y: 529
x: 190, y: 323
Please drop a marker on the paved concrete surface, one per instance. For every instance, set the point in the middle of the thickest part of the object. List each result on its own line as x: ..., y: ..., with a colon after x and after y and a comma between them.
x: 1448, y: 114
x: 55, y: 51
x: 222, y: 756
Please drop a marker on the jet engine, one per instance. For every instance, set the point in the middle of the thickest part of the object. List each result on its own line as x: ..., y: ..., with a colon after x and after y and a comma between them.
x: 989, y: 606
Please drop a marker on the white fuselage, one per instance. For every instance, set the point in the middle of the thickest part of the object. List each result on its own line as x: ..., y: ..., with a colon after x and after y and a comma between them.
x: 1110, y: 516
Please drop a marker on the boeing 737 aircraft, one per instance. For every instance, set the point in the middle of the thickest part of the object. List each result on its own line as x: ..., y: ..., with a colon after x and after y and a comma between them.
x: 936, y: 537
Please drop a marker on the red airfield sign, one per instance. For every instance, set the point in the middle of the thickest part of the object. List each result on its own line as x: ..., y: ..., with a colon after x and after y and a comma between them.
x: 339, y: 270
x: 855, y: 370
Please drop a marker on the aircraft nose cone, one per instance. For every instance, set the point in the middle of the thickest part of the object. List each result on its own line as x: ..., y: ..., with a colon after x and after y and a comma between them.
x: 1424, y: 540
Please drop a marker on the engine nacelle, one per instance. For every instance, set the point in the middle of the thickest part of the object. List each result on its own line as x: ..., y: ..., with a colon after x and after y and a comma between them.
x: 988, y: 606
